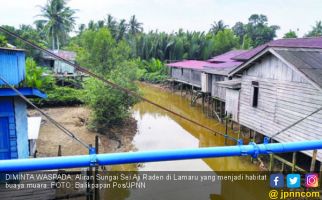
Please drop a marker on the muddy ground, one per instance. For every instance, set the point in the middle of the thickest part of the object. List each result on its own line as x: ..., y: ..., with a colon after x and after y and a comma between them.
x: 75, y: 119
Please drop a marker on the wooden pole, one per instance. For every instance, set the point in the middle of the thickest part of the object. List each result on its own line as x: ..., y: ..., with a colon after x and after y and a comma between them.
x: 59, y: 151
x: 226, y: 128
x: 312, y: 168
x: 239, y: 131
x: 203, y: 102
x: 271, y: 161
x: 293, y: 161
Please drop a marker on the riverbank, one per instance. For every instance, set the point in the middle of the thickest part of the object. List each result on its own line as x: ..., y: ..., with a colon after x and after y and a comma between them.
x: 75, y: 119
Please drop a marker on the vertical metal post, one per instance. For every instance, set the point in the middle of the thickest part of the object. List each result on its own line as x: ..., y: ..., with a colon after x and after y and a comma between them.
x: 89, y: 192
x: 96, y: 181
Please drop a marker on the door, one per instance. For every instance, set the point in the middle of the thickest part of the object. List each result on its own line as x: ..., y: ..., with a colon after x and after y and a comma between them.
x: 4, y: 139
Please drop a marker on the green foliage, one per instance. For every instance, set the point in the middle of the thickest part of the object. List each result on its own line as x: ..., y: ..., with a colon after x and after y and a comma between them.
x: 99, y: 51
x: 224, y: 41
x: 35, y: 76
x: 58, y: 21
x: 316, y: 30
x: 61, y: 96
x: 111, y: 106
x: 3, y: 41
x: 153, y: 71
x: 290, y: 34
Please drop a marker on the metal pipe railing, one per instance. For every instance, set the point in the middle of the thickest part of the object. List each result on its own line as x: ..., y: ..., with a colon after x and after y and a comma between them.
x: 154, y: 156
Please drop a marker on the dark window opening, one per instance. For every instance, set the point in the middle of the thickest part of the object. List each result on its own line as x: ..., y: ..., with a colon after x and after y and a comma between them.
x: 255, y: 93
x: 181, y: 72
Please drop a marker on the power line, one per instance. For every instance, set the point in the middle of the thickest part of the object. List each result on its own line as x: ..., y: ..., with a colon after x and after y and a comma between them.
x: 57, y: 124
x: 295, y: 123
x: 113, y: 85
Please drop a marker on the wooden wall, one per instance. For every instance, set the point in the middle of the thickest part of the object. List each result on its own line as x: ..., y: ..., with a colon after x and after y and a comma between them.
x: 188, y: 76
x: 284, y: 98
x: 217, y: 91
x: 231, y: 105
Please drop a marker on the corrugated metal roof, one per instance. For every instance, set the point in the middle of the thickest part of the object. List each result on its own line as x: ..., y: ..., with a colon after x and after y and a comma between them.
x: 28, y: 92
x: 313, y: 42
x: 191, y: 64
x: 67, y: 55
x: 226, y: 57
x: 12, y: 66
x: 307, y: 61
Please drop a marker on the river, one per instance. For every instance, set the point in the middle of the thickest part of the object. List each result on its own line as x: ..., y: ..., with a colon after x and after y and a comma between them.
x: 158, y: 129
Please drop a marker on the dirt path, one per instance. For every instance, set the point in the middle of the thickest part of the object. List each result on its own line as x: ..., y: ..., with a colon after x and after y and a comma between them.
x: 75, y: 119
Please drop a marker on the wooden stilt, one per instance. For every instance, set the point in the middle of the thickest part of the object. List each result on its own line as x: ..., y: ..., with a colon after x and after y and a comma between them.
x: 271, y: 162
x: 203, y: 102
x: 96, y: 181
x: 59, y: 151
x: 226, y: 129
x: 312, y: 168
x: 239, y: 131
x: 293, y: 161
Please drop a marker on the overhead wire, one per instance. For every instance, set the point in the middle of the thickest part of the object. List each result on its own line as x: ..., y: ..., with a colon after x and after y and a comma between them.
x: 113, y: 85
x: 54, y: 122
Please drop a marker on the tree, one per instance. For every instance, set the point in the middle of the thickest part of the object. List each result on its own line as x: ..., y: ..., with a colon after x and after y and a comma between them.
x: 3, y: 41
x: 290, y: 34
x: 218, y: 26
x: 111, y: 24
x: 224, y: 41
x: 135, y: 26
x: 239, y: 30
x: 59, y: 21
x: 122, y: 28
x: 316, y: 30
x: 259, y: 30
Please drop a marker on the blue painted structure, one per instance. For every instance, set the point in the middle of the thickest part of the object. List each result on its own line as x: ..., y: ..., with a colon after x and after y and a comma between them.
x: 13, y: 110
x: 154, y: 156
x: 12, y: 65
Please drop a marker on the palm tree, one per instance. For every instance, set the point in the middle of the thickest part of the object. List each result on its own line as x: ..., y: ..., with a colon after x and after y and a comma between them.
x: 218, y: 26
x: 316, y: 30
x: 59, y: 20
x: 135, y: 26
x: 122, y: 28
x: 111, y: 24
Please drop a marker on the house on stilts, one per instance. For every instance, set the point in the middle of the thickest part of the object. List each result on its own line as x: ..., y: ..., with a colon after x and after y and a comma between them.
x: 277, y: 91
x: 202, y: 78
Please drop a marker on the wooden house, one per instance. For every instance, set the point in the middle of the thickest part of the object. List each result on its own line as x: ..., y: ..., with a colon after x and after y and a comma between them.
x: 216, y: 70
x: 279, y: 84
x: 187, y: 72
x: 13, y: 110
x: 57, y: 66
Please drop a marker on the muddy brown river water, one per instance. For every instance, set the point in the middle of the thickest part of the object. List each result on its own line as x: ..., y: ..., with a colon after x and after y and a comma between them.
x: 158, y: 129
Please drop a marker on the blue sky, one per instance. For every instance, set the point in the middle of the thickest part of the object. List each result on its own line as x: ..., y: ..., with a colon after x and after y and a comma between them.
x: 170, y: 15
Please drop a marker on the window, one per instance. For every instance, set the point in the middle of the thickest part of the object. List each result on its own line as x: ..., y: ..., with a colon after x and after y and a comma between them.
x: 181, y: 72
x: 255, y: 93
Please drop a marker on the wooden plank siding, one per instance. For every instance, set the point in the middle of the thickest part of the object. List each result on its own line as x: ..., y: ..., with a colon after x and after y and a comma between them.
x: 217, y: 91
x: 284, y: 97
x: 188, y: 76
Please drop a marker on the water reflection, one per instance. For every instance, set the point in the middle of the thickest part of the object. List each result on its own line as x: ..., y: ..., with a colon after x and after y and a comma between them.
x: 158, y: 129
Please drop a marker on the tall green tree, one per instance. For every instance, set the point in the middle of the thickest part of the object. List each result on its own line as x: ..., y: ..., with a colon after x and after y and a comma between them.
x: 218, y: 26
x: 259, y: 30
x: 59, y: 21
x: 290, y: 34
x: 135, y: 26
x: 316, y: 30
